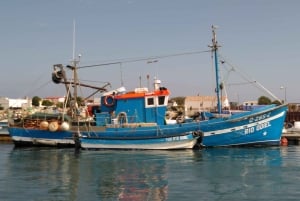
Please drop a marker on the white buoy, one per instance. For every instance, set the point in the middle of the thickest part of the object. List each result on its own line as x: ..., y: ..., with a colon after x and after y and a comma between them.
x: 65, y: 126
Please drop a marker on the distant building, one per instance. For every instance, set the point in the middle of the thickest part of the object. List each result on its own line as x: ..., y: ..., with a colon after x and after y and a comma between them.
x: 55, y: 99
x: 15, y: 103
x: 194, y: 104
x: 24, y: 103
x: 4, y: 102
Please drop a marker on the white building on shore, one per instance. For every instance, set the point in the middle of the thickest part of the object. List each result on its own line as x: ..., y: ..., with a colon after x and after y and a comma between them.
x: 15, y: 103
x: 194, y: 104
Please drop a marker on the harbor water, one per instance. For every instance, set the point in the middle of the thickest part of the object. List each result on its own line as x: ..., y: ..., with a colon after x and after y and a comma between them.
x: 40, y: 174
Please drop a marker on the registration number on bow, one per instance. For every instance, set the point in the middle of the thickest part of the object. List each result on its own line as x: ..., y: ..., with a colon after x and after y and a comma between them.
x: 258, y: 127
x: 259, y: 117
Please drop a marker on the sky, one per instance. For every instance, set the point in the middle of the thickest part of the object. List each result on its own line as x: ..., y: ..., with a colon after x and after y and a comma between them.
x: 170, y: 38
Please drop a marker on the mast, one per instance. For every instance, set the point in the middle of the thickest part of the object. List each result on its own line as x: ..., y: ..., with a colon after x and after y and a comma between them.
x: 75, y: 76
x: 74, y: 62
x: 214, y: 47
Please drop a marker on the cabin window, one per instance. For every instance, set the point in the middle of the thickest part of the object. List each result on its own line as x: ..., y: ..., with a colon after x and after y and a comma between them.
x: 161, y: 100
x: 150, y: 101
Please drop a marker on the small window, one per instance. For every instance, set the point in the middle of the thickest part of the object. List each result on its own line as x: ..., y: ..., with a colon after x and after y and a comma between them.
x: 150, y: 101
x: 161, y: 100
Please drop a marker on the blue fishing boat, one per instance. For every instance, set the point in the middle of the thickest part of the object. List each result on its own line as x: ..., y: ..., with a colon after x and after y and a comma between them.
x: 260, y: 127
x: 137, y: 120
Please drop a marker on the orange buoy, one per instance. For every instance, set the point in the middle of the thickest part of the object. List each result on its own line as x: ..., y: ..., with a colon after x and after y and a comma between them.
x: 53, y: 126
x: 44, y: 125
x: 284, y: 141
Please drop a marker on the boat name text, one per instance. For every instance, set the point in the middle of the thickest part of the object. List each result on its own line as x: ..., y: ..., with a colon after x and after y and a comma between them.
x: 177, y: 138
x: 258, y: 127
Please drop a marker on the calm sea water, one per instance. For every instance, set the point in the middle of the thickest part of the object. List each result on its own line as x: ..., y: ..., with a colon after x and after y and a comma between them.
x: 208, y: 174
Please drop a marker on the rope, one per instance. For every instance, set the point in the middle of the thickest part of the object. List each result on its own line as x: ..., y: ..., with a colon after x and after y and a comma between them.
x: 132, y: 60
x: 250, y: 81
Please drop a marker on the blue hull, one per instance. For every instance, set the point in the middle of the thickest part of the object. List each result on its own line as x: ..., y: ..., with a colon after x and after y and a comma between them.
x: 258, y: 127
x: 36, y: 137
x: 186, y: 141
x: 178, y: 136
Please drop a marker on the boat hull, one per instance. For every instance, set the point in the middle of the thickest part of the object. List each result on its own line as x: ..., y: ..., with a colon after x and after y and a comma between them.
x: 37, y: 137
x: 176, y: 136
x: 179, y: 136
x: 187, y: 141
x: 258, y: 128
x: 262, y: 127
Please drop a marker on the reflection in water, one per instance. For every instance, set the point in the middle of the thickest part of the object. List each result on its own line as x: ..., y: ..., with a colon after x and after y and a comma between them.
x: 128, y: 175
x: 63, y: 174
x: 41, y: 174
x: 208, y: 174
x: 240, y: 173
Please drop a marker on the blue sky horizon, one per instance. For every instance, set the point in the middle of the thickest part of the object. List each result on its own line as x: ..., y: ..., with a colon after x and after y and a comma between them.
x: 258, y: 37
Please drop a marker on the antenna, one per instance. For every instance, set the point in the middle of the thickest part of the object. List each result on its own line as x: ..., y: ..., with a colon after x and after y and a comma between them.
x: 148, y: 83
x: 140, y: 78
x: 74, y: 35
x: 121, y: 71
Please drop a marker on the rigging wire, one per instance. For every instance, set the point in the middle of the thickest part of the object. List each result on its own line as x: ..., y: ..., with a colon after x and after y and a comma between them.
x: 244, y: 76
x: 240, y: 83
x: 132, y: 60
x: 39, y: 87
x: 102, y: 82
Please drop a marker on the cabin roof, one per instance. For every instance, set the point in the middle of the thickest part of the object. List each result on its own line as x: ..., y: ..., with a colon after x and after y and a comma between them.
x: 133, y: 94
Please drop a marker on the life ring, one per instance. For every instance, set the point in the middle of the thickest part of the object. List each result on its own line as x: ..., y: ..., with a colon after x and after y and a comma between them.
x: 109, y: 100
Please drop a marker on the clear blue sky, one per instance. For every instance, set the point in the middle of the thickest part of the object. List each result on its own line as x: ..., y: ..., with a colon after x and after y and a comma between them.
x: 260, y: 37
